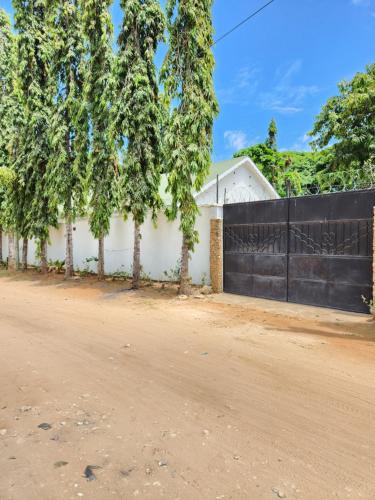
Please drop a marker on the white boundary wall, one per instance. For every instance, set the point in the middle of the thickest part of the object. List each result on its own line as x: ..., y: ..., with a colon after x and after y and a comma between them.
x: 160, y: 246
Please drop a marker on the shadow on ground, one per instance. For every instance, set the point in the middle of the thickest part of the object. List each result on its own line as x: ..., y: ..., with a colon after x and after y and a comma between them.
x: 107, y: 289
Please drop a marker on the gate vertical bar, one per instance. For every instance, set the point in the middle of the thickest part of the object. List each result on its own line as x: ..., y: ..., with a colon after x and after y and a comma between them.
x: 287, y: 246
x: 373, y: 257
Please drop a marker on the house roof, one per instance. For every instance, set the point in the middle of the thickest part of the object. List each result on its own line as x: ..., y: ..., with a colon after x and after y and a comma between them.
x: 219, y: 168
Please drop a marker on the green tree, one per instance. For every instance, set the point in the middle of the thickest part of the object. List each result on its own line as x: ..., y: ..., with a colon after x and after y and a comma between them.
x: 348, y: 121
x: 99, y: 94
x: 69, y: 124
x: 271, y: 141
x: 370, y: 170
x: 10, y: 118
x: 36, y: 207
x: 187, y: 74
x: 7, y: 68
x: 7, y: 178
x: 6, y: 106
x: 138, y: 114
x: 267, y: 160
x: 308, y: 172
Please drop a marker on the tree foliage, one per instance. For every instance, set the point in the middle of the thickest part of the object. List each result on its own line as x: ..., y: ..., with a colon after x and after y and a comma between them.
x: 7, y: 179
x: 348, y: 122
x: 187, y: 74
x: 36, y: 205
x: 69, y: 124
x: 137, y: 108
x: 306, y: 171
x: 7, y: 79
x: 271, y: 141
x: 99, y: 93
x: 7, y: 109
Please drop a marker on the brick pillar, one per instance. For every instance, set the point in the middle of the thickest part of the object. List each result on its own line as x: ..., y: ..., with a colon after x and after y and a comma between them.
x: 216, y: 255
x: 373, y: 259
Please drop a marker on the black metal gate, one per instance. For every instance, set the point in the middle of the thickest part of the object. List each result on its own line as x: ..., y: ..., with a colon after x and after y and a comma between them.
x: 314, y: 250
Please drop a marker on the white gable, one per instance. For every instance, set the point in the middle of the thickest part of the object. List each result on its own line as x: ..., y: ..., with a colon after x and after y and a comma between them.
x: 241, y: 183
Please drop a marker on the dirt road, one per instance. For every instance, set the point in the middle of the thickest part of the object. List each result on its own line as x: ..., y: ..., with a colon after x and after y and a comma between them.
x: 216, y: 398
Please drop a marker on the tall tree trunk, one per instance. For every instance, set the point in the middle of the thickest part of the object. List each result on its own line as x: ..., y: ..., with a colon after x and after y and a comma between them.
x: 184, y: 272
x: 43, y: 257
x: 17, y: 249
x: 101, y: 259
x: 11, y: 253
x: 1, y: 244
x: 25, y: 247
x: 69, y: 266
x: 137, y: 255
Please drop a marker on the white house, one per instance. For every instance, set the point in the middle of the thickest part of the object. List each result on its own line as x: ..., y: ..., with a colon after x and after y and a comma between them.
x: 234, y: 181
x: 231, y: 181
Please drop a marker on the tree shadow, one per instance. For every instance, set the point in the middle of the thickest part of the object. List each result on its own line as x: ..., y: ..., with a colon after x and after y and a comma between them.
x: 347, y: 330
x: 110, y: 288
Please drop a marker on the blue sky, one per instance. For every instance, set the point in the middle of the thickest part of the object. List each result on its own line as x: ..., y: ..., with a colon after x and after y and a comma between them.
x: 284, y: 63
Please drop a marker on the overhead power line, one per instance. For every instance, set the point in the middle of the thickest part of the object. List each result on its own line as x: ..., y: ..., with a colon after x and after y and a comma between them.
x: 242, y: 22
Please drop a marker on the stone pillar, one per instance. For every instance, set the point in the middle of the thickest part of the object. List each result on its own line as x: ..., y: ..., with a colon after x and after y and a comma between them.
x: 216, y: 255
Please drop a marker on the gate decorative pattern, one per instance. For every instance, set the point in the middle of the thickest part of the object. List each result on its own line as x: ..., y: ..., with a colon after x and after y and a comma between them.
x: 332, y: 238
x: 255, y: 238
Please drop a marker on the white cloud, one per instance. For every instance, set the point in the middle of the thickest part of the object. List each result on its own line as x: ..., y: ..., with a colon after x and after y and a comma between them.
x: 286, y: 96
x: 301, y: 144
x: 305, y: 138
x: 285, y: 73
x: 235, y: 139
x: 245, y: 78
x: 281, y: 108
x: 243, y: 86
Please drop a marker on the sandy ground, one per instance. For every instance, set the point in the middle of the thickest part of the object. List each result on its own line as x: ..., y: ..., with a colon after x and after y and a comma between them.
x: 218, y: 398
